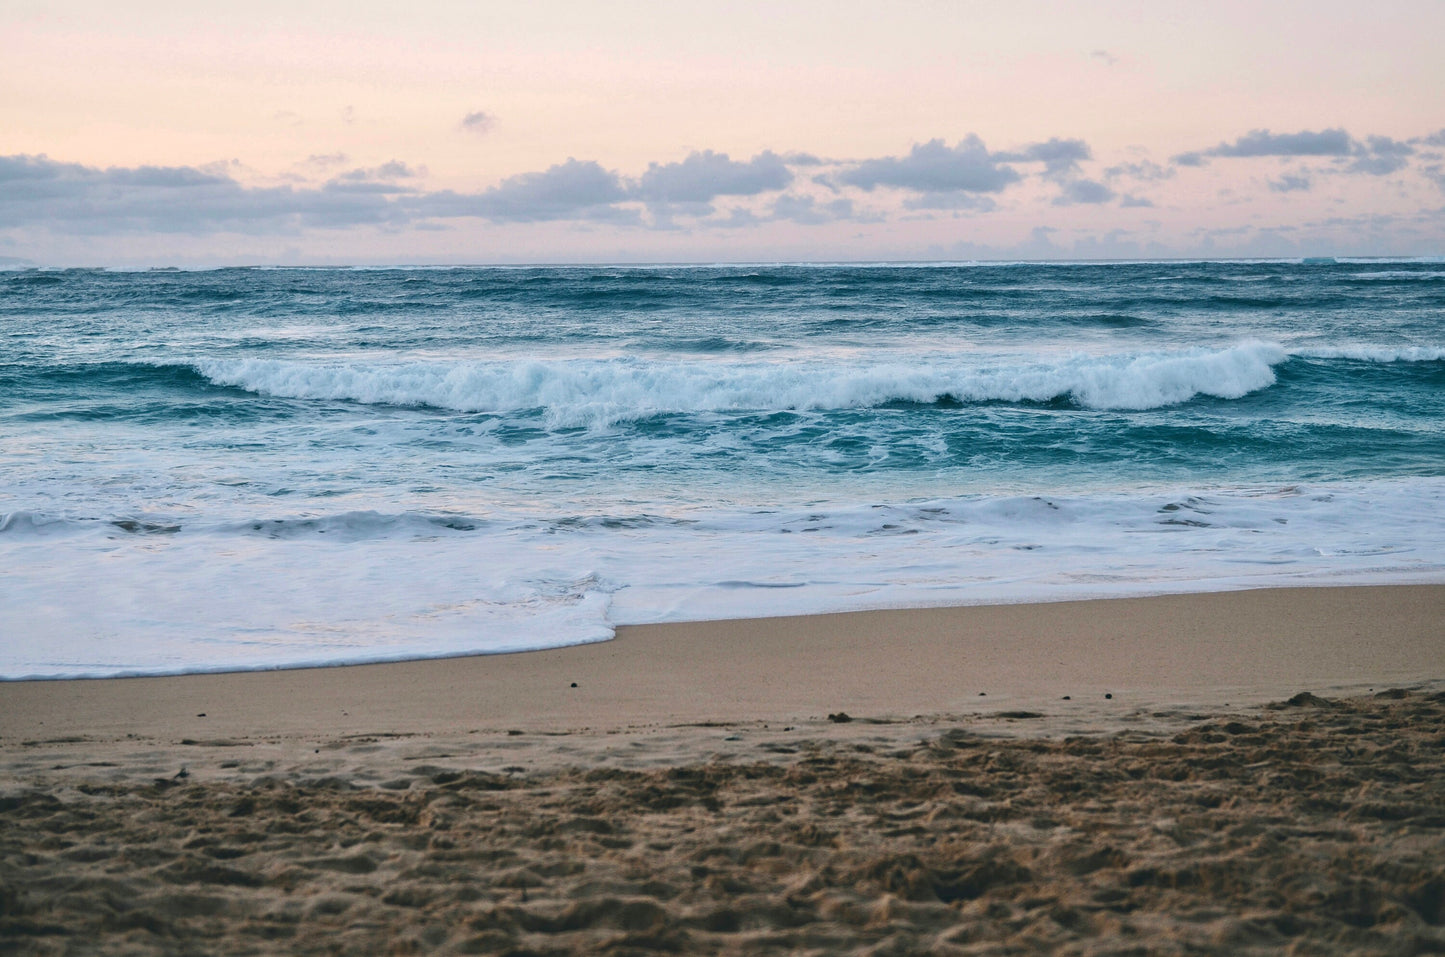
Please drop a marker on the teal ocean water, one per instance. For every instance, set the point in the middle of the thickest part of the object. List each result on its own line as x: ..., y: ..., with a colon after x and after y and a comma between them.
x: 251, y: 468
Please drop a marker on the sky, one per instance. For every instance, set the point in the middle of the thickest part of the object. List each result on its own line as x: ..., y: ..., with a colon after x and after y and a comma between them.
x: 307, y: 132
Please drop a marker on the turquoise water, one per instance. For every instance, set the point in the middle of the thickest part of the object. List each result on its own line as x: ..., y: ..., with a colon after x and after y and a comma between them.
x: 257, y: 467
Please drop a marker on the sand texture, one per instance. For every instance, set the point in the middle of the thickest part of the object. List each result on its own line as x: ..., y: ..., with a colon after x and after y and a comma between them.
x: 1111, y: 777
x: 1317, y: 825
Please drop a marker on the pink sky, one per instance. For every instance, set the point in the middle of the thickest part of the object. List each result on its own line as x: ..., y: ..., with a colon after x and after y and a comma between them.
x: 161, y: 132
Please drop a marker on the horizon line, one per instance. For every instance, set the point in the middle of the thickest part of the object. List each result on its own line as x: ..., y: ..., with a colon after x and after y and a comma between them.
x: 16, y: 264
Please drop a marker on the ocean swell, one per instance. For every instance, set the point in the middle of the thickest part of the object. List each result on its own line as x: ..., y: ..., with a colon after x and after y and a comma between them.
x: 600, y: 391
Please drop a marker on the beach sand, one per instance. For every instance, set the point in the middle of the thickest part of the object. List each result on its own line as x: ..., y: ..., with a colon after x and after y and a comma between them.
x: 1218, y: 773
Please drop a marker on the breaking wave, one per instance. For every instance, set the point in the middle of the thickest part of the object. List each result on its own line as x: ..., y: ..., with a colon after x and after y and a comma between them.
x: 595, y: 392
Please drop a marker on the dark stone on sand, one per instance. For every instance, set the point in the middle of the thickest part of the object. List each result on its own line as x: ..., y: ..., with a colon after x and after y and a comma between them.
x: 1108, y: 695
x: 201, y: 715
x: 1306, y: 700
x: 1068, y: 698
x: 840, y: 717
x: 574, y: 684
x: 1019, y: 714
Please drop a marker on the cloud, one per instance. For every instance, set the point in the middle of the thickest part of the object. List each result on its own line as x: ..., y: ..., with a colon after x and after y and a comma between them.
x: 1384, y: 146
x: 1436, y: 138
x: 666, y: 215
x: 18, y: 169
x: 478, y: 122
x: 961, y: 177
x: 1060, y: 157
x: 706, y: 175
x: 1374, y: 156
x: 1331, y: 142
x: 1083, y: 191
x: 972, y: 202
x: 376, y: 179
x: 576, y: 189
x: 1289, y: 183
x: 934, y: 167
x: 68, y: 197
x: 1380, y: 156
x: 1335, y: 142
x: 1108, y: 58
x: 38, y: 192
x: 737, y: 218
x: 809, y: 212
x: 40, y: 196
x: 77, y: 199
x: 1144, y: 171
x: 163, y: 177
x: 1377, y: 165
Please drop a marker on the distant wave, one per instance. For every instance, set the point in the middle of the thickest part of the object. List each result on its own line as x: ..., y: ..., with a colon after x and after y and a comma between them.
x: 344, y: 526
x: 1369, y: 353
x: 597, y: 392
x: 1389, y: 275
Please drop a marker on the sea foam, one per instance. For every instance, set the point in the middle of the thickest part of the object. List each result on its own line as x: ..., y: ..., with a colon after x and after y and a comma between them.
x: 599, y: 391
x: 357, y: 587
x: 1375, y: 353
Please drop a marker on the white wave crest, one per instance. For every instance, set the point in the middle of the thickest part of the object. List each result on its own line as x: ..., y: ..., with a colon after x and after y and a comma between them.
x: 1397, y: 274
x: 1369, y: 353
x: 596, y: 392
x: 31, y: 524
x: 357, y: 526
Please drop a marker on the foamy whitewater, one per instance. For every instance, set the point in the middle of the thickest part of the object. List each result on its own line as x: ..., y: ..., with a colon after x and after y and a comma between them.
x: 254, y: 468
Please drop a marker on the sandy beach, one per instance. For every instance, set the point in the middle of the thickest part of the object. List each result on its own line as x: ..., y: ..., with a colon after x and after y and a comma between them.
x: 1217, y: 773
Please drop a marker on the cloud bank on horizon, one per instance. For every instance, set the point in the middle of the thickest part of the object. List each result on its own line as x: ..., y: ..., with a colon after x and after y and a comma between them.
x: 563, y: 131
x: 705, y: 192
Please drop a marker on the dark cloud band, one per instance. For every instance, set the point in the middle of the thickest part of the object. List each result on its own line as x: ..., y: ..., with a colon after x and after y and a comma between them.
x: 39, y: 193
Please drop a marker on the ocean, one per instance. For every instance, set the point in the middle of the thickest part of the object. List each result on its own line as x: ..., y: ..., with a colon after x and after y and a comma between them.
x: 255, y: 468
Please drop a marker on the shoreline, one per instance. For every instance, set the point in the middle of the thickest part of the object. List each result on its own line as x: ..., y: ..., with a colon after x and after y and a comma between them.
x: 1206, y: 587
x: 1197, y: 649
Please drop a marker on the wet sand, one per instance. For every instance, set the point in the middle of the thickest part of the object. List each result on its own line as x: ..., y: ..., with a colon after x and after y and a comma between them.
x: 692, y: 794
